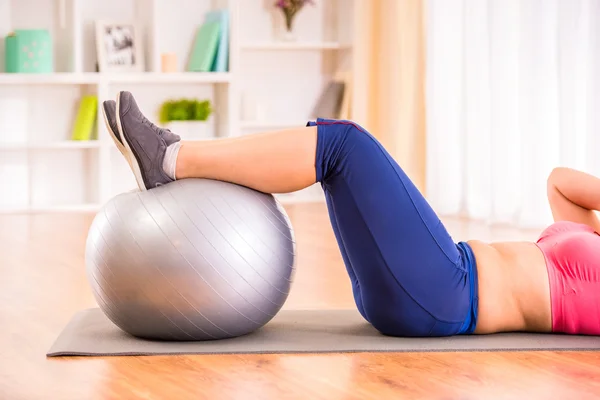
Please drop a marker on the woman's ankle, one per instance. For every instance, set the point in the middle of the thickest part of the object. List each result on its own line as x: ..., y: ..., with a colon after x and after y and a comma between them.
x: 171, y: 160
x: 186, y: 162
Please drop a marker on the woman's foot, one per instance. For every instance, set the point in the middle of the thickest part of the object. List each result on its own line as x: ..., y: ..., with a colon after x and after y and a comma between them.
x: 144, y: 143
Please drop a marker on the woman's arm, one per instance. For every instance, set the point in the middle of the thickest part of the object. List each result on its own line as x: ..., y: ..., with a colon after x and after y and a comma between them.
x: 574, y: 196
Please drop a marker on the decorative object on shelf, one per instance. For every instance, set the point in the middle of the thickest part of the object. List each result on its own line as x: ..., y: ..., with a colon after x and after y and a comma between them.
x: 120, y: 47
x: 253, y: 110
x: 29, y: 51
x: 289, y: 9
x: 86, y: 118
x: 187, y: 118
x: 168, y: 62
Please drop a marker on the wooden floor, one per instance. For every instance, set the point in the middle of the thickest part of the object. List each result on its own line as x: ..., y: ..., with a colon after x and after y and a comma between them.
x: 42, y: 284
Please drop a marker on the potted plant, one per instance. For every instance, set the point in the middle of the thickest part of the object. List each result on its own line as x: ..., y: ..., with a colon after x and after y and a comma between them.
x: 290, y: 8
x: 187, y: 117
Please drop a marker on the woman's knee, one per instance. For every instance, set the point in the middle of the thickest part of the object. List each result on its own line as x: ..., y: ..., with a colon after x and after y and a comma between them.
x: 337, y: 140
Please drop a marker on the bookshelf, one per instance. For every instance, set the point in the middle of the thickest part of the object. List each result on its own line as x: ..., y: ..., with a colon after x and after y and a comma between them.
x: 294, y: 46
x: 62, y: 144
x: 47, y: 172
x: 270, y: 125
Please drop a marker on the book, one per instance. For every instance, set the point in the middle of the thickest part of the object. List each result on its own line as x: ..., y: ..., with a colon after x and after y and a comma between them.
x: 345, y: 108
x: 86, y: 117
x: 221, y: 60
x: 330, y: 102
x: 205, y: 47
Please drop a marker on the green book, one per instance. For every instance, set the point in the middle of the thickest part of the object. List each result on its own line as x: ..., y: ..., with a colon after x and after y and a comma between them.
x: 205, y: 47
x: 86, y: 116
x: 221, y: 61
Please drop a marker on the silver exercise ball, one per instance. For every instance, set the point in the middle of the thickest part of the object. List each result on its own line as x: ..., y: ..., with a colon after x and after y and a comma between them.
x: 195, y: 259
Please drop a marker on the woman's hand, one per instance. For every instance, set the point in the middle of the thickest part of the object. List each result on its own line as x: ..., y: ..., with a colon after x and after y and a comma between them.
x: 574, y: 196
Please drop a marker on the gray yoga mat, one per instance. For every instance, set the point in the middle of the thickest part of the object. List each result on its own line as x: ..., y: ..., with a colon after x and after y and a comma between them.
x: 90, y: 333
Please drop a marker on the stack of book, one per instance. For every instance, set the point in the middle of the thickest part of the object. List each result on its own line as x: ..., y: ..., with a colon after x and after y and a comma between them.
x: 210, y: 51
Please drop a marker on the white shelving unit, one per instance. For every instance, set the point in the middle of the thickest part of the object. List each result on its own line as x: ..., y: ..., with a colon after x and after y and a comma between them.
x: 66, y: 144
x: 93, y: 78
x: 269, y: 125
x: 45, y: 171
x: 294, y: 46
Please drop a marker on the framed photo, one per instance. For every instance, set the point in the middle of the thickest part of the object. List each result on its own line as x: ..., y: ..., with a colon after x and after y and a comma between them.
x: 120, y: 47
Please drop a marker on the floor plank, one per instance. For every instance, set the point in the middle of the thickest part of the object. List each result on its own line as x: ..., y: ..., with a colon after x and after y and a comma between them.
x: 43, y: 283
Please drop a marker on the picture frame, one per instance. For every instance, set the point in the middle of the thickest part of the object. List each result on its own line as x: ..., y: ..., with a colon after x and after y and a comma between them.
x: 119, y: 46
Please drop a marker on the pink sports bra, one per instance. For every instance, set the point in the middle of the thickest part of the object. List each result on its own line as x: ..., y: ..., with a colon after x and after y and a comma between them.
x: 572, y: 254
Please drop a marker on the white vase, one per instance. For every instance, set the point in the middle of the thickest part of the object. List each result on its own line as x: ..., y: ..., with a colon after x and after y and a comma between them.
x: 253, y: 108
x: 280, y: 28
x: 289, y: 36
x: 191, y: 130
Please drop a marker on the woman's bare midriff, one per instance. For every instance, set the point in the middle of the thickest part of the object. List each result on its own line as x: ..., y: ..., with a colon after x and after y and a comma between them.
x: 514, y: 290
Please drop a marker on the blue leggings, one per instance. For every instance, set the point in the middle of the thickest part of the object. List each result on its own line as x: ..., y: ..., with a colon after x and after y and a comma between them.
x: 409, y: 278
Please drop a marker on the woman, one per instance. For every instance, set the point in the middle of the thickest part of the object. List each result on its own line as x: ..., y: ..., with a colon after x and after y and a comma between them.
x: 409, y: 277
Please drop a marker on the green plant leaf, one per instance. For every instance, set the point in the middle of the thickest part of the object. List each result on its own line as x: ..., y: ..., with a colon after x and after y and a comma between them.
x: 185, y: 110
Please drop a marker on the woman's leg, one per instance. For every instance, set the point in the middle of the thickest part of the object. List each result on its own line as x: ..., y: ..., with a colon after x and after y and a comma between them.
x: 345, y: 257
x: 273, y: 162
x: 413, y: 279
x: 408, y: 275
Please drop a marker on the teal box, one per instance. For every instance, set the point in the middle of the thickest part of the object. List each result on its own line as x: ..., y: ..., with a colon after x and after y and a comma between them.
x: 29, y: 51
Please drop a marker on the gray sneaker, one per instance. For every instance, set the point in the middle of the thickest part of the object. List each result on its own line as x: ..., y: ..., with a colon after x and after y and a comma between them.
x: 144, y: 142
x: 109, y: 110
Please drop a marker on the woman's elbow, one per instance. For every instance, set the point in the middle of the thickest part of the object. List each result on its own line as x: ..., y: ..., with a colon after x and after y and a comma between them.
x: 557, y: 175
x: 556, y: 172
x: 552, y: 177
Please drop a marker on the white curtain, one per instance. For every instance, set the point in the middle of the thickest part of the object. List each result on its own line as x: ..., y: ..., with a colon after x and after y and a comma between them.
x: 513, y: 90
